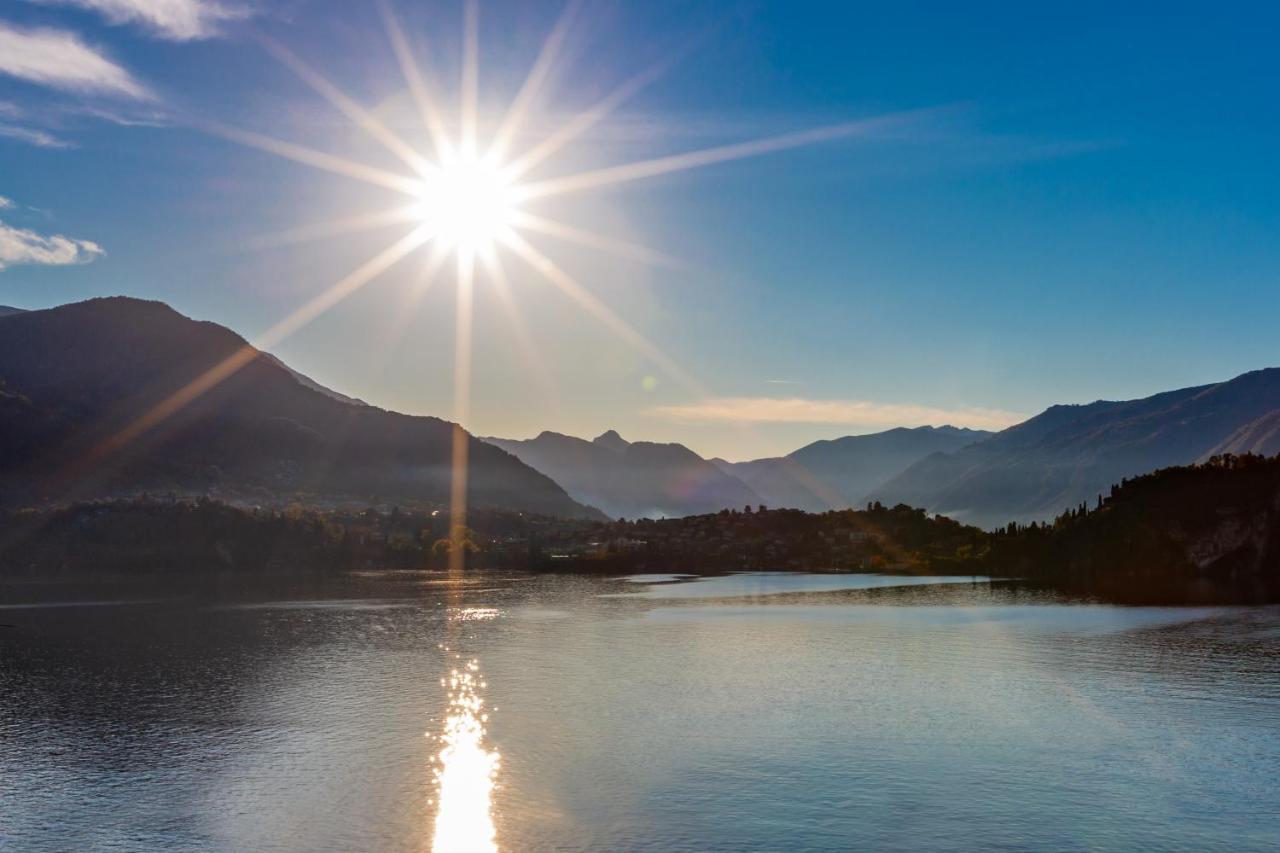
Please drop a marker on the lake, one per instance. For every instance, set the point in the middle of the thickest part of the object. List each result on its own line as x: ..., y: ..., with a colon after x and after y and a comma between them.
x: 761, y: 712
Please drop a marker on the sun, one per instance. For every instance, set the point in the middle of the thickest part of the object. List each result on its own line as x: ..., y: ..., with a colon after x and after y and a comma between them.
x: 469, y: 203
x: 466, y: 201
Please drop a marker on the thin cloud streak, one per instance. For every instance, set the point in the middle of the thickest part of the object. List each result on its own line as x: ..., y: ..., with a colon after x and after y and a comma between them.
x: 854, y: 413
x: 175, y: 20
x: 31, y: 136
x: 60, y: 60
x: 22, y: 246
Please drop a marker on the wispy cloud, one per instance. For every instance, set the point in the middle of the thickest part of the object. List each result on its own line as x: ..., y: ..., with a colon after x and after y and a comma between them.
x: 6, y: 203
x: 177, y: 20
x: 21, y: 246
x: 853, y: 413
x: 59, y: 59
x: 13, y: 125
x: 32, y: 136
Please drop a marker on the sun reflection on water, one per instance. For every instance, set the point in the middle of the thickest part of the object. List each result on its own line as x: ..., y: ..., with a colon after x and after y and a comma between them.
x: 467, y: 770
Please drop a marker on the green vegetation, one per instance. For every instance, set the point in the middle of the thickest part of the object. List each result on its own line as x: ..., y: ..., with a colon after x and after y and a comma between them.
x: 897, y: 539
x: 1196, y: 533
x: 170, y: 535
x: 1208, y: 532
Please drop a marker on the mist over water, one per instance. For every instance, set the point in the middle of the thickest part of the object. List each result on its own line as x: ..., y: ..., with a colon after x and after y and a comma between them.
x: 408, y: 712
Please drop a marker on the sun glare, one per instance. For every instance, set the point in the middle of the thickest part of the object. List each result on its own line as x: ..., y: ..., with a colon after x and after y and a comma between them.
x: 468, y: 203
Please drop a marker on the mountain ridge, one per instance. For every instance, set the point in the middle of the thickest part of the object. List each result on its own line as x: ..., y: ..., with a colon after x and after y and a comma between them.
x: 631, y: 479
x: 841, y: 472
x: 76, y: 378
x: 1068, y: 454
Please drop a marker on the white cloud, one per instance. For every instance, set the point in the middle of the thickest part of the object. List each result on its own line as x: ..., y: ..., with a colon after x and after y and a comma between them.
x: 20, y: 246
x: 10, y: 113
x: 59, y: 59
x: 854, y: 413
x: 32, y: 136
x: 6, y: 203
x: 179, y: 20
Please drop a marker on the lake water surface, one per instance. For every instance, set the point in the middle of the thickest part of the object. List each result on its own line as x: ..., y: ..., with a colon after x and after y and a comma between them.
x: 764, y: 712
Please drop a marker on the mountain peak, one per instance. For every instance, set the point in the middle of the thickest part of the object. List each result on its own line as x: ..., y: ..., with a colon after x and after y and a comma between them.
x: 261, y: 431
x: 611, y: 440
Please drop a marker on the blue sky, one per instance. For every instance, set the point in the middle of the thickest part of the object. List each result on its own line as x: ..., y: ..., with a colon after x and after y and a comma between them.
x: 1068, y: 202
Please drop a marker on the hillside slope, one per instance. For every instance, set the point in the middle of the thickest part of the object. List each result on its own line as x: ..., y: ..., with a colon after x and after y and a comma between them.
x: 76, y: 381
x: 632, y: 479
x: 1069, y: 454
x: 843, y: 472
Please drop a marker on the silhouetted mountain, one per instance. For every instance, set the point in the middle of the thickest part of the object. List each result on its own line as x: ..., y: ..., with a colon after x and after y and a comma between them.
x: 312, y: 384
x: 1200, y: 533
x: 86, y: 409
x: 630, y: 479
x: 1070, y: 454
x: 6, y: 310
x: 611, y: 441
x: 842, y: 472
x: 782, y: 482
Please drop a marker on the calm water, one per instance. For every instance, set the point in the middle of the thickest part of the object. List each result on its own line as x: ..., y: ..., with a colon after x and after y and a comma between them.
x: 762, y: 712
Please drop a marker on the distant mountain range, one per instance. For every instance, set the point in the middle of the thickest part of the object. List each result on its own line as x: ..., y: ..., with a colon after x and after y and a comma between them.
x: 632, y: 479
x: 76, y: 382
x: 842, y: 472
x: 78, y: 379
x: 1069, y: 454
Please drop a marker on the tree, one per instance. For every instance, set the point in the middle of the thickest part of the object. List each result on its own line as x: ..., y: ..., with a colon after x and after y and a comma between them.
x: 461, y: 540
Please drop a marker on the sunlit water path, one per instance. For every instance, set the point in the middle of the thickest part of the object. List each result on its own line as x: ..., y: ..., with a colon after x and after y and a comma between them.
x: 467, y: 769
x: 761, y: 712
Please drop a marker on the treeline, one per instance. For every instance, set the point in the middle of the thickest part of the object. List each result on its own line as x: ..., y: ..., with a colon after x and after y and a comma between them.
x: 1200, y: 533
x: 1187, y: 534
x: 879, y: 538
x: 170, y: 535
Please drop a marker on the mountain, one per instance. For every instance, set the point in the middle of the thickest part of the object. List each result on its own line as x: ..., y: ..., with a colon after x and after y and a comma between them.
x: 1206, y: 533
x: 1261, y: 436
x: 312, y: 384
x: 1070, y: 454
x: 5, y: 310
x: 89, y: 407
x: 632, y: 479
x: 842, y: 472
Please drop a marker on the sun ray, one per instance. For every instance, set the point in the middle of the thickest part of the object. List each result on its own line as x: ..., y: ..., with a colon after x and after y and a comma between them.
x: 533, y: 84
x: 318, y: 159
x: 583, y: 237
x: 470, y: 75
x: 417, y: 84
x: 461, y: 404
x: 496, y: 272
x: 593, y: 306
x: 584, y: 121
x: 408, y: 309
x: 343, y: 288
x: 472, y: 207
x: 337, y: 227
x: 363, y: 119
x: 694, y: 159
x: 235, y: 362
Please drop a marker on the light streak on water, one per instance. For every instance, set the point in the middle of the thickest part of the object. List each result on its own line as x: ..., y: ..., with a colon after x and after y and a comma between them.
x: 467, y: 770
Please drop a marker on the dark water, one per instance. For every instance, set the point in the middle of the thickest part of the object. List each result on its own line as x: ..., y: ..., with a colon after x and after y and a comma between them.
x: 749, y: 713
